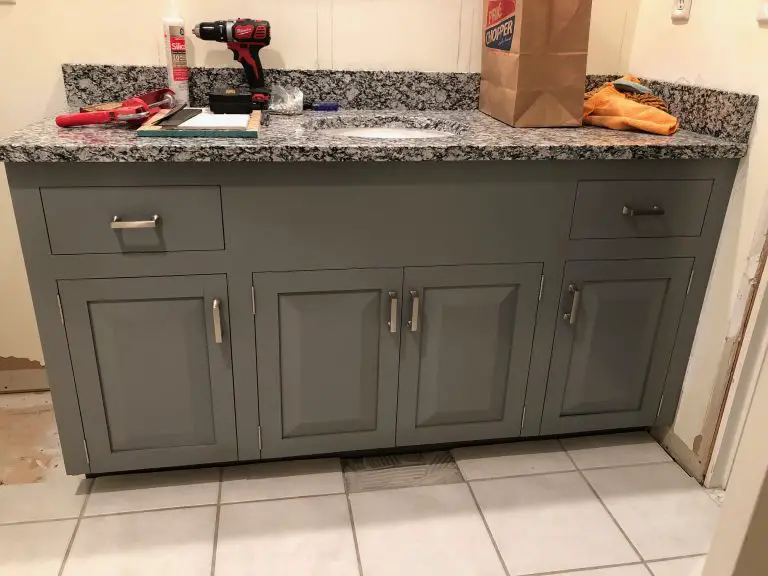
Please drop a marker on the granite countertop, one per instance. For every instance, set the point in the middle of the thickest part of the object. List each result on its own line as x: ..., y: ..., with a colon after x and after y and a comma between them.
x: 296, y: 138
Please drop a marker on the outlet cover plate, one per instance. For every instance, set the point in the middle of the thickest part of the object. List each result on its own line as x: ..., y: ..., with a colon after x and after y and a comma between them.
x: 681, y: 11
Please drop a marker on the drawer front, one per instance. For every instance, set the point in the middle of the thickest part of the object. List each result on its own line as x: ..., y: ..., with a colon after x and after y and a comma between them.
x: 640, y: 209
x: 113, y: 220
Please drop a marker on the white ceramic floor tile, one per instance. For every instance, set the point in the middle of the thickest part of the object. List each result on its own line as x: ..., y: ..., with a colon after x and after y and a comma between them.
x: 635, y: 570
x: 56, y: 499
x: 517, y: 459
x: 549, y: 523
x: 681, y: 567
x: 136, y: 492
x: 273, y: 480
x: 429, y: 530
x: 663, y: 510
x: 34, y: 549
x: 614, y: 450
x: 166, y: 542
x: 287, y: 538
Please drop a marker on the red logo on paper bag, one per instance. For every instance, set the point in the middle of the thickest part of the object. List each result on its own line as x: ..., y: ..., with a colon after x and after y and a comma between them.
x: 500, y: 24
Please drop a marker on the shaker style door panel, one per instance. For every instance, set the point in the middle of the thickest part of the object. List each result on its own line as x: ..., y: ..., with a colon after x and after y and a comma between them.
x: 466, y: 348
x: 327, y: 352
x: 613, y: 343
x: 152, y: 362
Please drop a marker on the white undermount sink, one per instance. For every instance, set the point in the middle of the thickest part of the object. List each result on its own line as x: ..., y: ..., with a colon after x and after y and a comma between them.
x: 386, y: 133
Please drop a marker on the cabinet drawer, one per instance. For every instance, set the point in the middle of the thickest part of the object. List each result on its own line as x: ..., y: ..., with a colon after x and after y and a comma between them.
x: 149, y: 219
x: 640, y: 209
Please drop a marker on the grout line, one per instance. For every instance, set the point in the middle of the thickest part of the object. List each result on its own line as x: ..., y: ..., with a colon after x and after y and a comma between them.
x: 488, y: 530
x: 354, y: 534
x: 553, y: 473
x: 584, y: 478
x: 74, y: 532
x: 282, y: 498
x: 683, y: 557
x: 44, y: 521
x: 586, y: 570
x: 216, y: 525
x: 129, y: 512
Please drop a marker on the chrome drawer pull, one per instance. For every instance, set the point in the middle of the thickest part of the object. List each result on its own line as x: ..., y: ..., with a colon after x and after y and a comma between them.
x: 654, y: 211
x: 572, y: 316
x: 217, y: 337
x: 413, y: 323
x: 118, y: 224
x: 392, y: 313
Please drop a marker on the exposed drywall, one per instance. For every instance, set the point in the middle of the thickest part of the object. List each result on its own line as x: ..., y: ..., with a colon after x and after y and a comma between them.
x: 432, y: 35
x: 722, y: 49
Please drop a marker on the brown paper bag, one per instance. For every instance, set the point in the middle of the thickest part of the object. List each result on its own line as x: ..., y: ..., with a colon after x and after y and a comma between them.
x: 535, y: 61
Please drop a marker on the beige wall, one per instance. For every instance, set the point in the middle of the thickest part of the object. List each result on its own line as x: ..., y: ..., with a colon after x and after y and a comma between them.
x: 721, y: 48
x: 433, y: 35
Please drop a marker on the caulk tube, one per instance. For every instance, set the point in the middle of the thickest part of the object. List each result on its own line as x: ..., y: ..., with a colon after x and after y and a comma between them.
x: 175, y: 45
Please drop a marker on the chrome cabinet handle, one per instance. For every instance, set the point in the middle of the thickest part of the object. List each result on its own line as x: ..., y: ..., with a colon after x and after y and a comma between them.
x: 392, y: 312
x: 413, y: 323
x: 572, y: 316
x: 217, y: 337
x: 118, y: 224
x: 654, y: 211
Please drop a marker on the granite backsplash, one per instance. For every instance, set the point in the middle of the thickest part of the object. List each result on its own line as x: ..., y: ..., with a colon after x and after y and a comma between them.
x: 718, y: 113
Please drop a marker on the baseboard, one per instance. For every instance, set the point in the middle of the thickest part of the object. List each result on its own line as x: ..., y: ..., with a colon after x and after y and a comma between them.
x: 680, y: 452
x: 34, y: 380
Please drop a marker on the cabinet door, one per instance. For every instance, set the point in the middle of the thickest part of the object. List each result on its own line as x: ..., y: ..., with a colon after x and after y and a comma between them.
x: 327, y: 360
x: 154, y: 379
x: 466, y: 347
x: 613, y: 343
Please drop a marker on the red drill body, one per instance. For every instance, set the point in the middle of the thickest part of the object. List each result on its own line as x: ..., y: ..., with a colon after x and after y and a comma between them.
x: 245, y: 37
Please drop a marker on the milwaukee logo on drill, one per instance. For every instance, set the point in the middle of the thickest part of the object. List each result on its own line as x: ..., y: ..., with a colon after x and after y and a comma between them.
x: 500, y: 24
x: 244, y: 32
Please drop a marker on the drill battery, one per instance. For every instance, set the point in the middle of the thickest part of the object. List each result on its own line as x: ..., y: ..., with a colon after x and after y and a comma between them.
x: 233, y: 101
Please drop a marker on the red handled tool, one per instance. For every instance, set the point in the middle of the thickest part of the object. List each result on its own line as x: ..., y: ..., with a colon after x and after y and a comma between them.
x: 245, y: 37
x: 134, y: 110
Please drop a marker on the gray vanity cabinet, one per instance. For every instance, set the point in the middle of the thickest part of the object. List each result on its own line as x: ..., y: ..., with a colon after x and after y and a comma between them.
x: 327, y: 349
x: 613, y: 343
x: 152, y: 363
x: 465, y: 351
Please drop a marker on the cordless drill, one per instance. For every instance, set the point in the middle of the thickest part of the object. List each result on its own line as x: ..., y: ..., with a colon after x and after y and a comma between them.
x: 245, y: 37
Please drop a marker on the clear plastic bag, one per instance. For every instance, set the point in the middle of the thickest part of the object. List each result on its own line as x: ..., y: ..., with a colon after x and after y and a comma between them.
x: 286, y: 100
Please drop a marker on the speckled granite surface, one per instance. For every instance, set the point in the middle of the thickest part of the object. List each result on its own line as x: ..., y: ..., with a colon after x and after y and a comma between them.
x: 363, y: 90
x: 297, y: 139
x: 717, y: 113
x: 717, y: 124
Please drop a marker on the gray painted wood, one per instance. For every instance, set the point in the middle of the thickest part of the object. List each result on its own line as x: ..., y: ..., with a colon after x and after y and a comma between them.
x: 600, y: 205
x: 545, y: 192
x: 79, y: 219
x: 463, y: 374
x: 155, y: 388
x: 609, y: 367
x: 327, y: 361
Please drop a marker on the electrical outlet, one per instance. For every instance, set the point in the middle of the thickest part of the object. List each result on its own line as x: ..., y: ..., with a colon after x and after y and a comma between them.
x: 762, y: 12
x: 681, y: 11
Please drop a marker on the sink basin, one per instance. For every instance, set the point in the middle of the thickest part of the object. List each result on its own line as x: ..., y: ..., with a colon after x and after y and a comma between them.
x: 386, y: 133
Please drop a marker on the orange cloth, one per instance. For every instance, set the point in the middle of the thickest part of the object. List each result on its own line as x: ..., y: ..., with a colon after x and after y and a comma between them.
x: 611, y: 109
